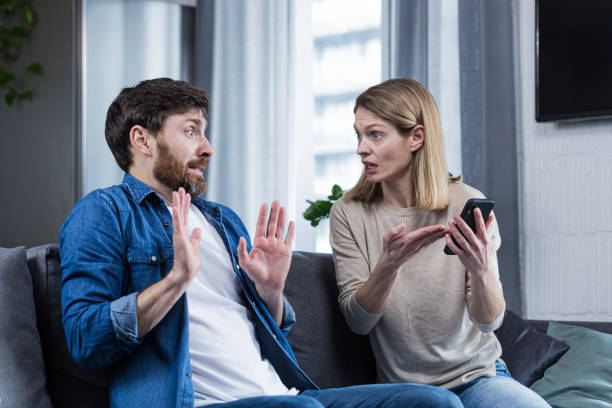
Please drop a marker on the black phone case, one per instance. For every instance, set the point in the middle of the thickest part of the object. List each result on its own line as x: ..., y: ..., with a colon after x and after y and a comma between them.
x: 467, y: 214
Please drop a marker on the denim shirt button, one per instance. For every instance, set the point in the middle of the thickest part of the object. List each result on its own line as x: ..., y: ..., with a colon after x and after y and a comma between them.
x: 153, y: 259
x: 187, y: 373
x: 216, y: 210
x: 166, y: 224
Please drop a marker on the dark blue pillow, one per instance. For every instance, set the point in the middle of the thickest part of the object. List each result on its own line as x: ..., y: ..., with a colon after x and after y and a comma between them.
x: 526, y: 351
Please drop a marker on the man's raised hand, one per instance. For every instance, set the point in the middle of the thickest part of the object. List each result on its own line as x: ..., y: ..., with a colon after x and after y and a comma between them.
x: 186, y: 251
x: 268, y: 262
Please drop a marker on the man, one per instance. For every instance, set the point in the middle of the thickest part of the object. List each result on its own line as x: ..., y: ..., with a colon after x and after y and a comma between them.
x: 169, y: 291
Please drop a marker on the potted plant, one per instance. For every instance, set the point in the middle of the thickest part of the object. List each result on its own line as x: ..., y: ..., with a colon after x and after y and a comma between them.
x: 17, y: 20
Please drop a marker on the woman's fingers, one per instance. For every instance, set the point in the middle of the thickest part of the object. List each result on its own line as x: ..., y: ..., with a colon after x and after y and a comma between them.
x: 489, y: 222
x: 451, y: 244
x: 458, y: 235
x: 481, y: 229
x: 466, y: 231
x: 394, y: 232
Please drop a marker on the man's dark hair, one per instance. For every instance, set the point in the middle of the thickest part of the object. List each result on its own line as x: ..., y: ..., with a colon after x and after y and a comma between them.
x: 148, y: 104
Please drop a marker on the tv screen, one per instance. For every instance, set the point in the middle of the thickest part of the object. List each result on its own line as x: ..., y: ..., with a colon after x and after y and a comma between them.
x: 573, y: 59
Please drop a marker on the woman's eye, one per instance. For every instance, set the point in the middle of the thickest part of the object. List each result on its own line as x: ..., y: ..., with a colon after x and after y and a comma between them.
x: 358, y: 135
x: 376, y: 136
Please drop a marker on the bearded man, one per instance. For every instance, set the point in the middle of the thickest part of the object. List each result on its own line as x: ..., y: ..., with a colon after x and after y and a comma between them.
x: 166, y: 288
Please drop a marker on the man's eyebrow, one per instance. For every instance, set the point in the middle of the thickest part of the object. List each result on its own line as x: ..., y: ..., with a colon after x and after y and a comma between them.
x: 198, y: 122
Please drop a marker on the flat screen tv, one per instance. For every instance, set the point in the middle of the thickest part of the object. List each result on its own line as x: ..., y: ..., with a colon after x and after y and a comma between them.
x: 573, y: 59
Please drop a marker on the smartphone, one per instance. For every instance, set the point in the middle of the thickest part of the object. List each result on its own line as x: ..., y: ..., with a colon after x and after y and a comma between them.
x: 467, y: 214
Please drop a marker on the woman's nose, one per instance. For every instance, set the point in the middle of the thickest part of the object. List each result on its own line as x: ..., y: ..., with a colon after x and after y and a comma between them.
x: 363, y: 147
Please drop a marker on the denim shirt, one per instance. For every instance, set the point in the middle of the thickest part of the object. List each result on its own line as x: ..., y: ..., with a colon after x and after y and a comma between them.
x: 117, y: 242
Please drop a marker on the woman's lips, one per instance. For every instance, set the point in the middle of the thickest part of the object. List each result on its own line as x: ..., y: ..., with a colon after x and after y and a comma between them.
x: 370, y: 168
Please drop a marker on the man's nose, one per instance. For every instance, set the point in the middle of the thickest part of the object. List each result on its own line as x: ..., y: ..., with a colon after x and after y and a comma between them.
x: 205, y: 149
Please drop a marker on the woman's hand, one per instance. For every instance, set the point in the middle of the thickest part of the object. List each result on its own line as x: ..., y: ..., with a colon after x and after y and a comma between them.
x: 478, y: 254
x: 399, y: 247
x: 474, y: 249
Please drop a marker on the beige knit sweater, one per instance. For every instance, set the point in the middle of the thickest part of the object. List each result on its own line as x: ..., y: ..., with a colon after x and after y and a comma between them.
x: 425, y: 334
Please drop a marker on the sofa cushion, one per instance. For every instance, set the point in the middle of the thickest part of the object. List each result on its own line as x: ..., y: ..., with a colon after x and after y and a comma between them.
x: 583, y: 376
x: 526, y: 351
x: 327, y: 350
x: 22, y: 369
x: 69, y: 385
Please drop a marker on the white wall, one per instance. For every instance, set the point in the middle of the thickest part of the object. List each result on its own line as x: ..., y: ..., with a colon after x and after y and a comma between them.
x: 565, y: 184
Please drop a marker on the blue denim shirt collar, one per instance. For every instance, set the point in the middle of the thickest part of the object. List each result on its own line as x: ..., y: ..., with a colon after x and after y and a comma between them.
x: 138, y: 189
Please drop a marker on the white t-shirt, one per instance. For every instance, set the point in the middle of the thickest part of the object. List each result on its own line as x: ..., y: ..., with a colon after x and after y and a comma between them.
x: 226, y: 360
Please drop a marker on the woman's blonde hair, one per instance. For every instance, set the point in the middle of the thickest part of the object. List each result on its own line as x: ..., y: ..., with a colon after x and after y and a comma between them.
x: 406, y: 103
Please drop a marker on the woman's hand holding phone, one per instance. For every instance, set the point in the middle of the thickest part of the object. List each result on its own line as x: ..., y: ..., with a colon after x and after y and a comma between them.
x: 472, y: 245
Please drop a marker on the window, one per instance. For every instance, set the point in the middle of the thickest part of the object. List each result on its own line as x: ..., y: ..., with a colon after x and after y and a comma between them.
x: 346, y: 61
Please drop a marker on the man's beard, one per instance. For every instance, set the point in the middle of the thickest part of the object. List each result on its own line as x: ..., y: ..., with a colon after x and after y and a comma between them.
x: 173, y: 174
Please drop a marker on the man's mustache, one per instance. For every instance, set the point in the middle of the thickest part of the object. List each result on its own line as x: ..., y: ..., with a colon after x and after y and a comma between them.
x: 202, y: 162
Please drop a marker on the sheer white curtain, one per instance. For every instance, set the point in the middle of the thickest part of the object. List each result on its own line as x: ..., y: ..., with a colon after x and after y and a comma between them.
x: 124, y: 43
x: 421, y: 41
x: 257, y: 70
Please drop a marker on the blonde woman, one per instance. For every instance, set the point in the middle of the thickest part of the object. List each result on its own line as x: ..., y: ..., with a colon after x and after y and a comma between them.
x: 430, y: 316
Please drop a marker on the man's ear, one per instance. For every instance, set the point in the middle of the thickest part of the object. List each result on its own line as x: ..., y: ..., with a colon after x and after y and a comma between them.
x: 141, y: 140
x: 418, y: 137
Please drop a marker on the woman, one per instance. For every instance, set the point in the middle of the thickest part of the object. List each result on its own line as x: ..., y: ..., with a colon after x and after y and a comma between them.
x: 430, y: 316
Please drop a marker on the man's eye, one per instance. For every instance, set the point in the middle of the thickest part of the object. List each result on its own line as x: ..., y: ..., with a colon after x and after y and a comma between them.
x: 189, y: 132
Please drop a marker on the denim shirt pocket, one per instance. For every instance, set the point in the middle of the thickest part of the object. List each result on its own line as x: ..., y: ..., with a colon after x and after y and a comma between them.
x: 147, y: 265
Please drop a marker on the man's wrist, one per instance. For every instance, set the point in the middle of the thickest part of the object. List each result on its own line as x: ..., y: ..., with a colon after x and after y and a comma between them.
x: 177, y: 279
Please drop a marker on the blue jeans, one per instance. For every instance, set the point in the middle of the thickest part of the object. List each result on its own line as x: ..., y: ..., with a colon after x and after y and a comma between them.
x: 366, y: 396
x: 499, y: 391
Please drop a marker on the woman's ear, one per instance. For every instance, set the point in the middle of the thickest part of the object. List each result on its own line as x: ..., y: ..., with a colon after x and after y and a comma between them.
x: 140, y: 140
x: 418, y: 137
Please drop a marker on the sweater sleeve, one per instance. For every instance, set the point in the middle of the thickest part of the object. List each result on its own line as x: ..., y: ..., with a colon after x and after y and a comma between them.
x: 352, y: 271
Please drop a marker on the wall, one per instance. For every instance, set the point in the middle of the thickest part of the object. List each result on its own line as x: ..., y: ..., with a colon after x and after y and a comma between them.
x: 565, y: 184
x: 37, y: 139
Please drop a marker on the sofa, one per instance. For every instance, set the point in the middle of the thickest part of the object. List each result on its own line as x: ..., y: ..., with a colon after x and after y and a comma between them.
x: 36, y: 369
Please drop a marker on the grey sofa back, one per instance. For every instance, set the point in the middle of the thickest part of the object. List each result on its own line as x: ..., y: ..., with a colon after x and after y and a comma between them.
x: 324, y: 345
x: 68, y: 384
x: 327, y: 350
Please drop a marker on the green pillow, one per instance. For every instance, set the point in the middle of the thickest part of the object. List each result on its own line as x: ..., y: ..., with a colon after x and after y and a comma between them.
x: 583, y: 375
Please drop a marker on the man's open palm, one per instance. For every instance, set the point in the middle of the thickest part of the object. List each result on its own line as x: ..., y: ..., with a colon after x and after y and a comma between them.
x: 268, y: 262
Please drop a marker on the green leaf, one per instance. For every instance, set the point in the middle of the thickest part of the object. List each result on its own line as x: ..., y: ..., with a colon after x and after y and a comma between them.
x: 6, y: 78
x: 9, y: 98
x: 26, y: 95
x: 9, y: 5
x: 336, y: 192
x: 19, y: 31
x: 28, y: 15
x: 35, y: 68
